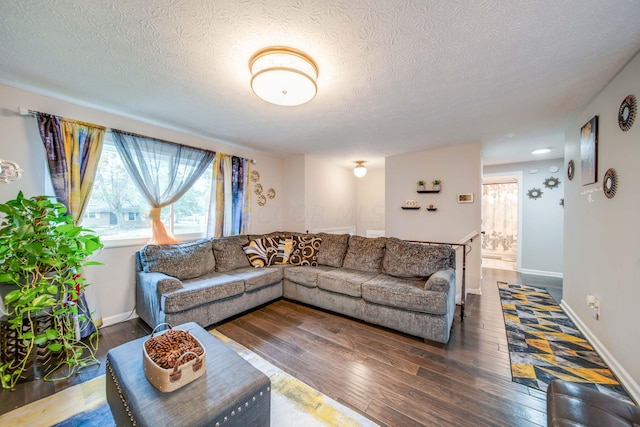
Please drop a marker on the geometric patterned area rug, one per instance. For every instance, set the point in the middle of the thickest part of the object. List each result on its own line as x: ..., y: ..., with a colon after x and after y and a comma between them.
x: 544, y: 344
x: 293, y: 403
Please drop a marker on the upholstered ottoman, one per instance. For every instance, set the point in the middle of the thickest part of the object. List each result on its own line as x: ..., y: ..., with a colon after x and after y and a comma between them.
x: 570, y: 404
x: 231, y: 393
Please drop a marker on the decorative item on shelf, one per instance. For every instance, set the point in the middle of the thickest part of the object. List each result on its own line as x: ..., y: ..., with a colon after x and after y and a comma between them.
x: 262, y: 200
x: 571, y: 170
x: 610, y: 183
x: 410, y: 204
x: 9, y: 171
x: 255, y: 176
x: 271, y: 193
x: 431, y: 208
x: 534, y: 193
x: 552, y: 182
x: 562, y: 202
x: 421, y: 185
x: 465, y: 198
x: 360, y: 170
x: 437, y: 184
x: 627, y: 113
x: 40, y: 291
x: 257, y: 189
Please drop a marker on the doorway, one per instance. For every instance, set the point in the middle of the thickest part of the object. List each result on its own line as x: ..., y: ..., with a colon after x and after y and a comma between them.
x: 500, y: 221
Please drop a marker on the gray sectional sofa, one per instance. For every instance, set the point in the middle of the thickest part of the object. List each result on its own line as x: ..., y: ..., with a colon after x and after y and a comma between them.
x: 406, y: 286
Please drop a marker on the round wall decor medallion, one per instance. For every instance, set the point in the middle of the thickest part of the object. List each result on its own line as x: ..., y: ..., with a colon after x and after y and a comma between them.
x: 271, y: 193
x: 255, y: 176
x: 552, y: 182
x: 262, y: 200
x: 534, y: 193
x: 610, y: 183
x: 627, y: 113
x: 571, y: 170
x: 257, y: 189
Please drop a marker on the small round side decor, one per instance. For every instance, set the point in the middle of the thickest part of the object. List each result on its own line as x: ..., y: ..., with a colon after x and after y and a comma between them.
x: 610, y: 183
x: 627, y: 113
x: 571, y: 170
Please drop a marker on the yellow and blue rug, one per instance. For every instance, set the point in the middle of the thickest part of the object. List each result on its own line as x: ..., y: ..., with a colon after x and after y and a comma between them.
x: 544, y: 344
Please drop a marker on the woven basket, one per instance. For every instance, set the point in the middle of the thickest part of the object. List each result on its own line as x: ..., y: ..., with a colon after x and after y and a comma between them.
x: 167, y: 380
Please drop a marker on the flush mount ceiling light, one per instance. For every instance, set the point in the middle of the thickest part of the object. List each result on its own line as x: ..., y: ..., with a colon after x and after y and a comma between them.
x: 283, y: 76
x: 360, y: 170
x: 544, y: 150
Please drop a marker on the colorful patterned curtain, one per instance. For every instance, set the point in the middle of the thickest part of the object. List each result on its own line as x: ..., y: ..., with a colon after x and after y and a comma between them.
x: 73, y: 150
x: 229, y: 208
x: 163, y: 171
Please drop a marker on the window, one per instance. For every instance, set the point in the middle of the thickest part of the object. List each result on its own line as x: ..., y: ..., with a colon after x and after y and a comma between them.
x: 117, y: 209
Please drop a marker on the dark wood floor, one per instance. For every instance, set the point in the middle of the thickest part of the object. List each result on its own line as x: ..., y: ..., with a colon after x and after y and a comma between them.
x: 391, y: 378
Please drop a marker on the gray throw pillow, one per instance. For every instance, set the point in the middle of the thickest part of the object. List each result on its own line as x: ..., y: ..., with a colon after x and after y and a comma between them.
x: 332, y: 249
x: 414, y: 260
x: 181, y: 260
x: 229, y: 253
x: 365, y: 254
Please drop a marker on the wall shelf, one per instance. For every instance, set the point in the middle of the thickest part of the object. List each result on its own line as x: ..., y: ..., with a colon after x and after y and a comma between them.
x: 411, y: 208
x: 432, y: 209
x: 427, y: 191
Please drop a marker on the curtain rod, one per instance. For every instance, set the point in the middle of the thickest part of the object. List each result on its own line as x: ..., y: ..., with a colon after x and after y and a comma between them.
x: 24, y: 111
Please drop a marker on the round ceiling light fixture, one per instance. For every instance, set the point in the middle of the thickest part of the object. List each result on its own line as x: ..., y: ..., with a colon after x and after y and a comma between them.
x: 283, y: 76
x: 543, y: 150
x: 360, y: 170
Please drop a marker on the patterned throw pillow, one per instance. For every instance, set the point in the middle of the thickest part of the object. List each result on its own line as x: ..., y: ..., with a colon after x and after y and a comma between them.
x: 261, y: 252
x: 285, y: 246
x: 305, y: 250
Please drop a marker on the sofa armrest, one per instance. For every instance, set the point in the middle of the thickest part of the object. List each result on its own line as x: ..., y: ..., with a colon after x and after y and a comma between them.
x: 149, y: 289
x: 442, y: 281
x: 159, y: 282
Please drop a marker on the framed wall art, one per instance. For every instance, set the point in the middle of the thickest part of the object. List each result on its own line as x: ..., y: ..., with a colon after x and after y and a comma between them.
x: 465, y: 198
x: 589, y: 152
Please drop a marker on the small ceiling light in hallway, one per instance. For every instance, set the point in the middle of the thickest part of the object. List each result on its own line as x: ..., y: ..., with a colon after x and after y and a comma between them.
x: 360, y: 170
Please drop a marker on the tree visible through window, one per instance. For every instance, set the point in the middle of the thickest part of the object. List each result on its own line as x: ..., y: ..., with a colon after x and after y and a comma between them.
x: 117, y: 210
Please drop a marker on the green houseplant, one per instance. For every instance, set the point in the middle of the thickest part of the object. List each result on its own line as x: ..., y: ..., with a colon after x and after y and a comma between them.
x: 421, y: 185
x: 41, y: 255
x: 436, y: 184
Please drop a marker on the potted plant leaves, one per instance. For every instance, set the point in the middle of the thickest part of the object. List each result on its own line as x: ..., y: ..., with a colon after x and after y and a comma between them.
x: 41, y: 255
x: 436, y: 183
x: 421, y: 185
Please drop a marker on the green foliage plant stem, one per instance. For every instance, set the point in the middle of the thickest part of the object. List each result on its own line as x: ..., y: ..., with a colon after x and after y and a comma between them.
x: 41, y: 255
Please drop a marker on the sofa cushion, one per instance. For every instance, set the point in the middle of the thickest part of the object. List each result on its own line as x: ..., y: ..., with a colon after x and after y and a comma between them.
x: 256, y: 278
x: 406, y: 259
x: 181, y: 260
x: 407, y: 294
x: 261, y: 252
x: 305, y: 275
x: 332, y: 249
x: 365, y: 254
x: 344, y: 281
x: 202, y: 290
x: 229, y: 254
x: 305, y: 250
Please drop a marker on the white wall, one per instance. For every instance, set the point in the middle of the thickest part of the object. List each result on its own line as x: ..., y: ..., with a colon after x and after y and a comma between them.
x: 112, y: 293
x: 601, y: 245
x: 330, y: 194
x: 542, y: 219
x: 370, y: 199
x: 459, y: 168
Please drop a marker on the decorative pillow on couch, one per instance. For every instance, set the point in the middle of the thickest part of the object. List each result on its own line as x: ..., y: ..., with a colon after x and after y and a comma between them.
x: 261, y: 252
x: 414, y: 260
x: 180, y: 260
x: 305, y: 250
x: 365, y: 253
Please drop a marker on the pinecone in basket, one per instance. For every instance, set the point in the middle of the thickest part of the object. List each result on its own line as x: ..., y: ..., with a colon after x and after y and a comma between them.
x: 167, y: 348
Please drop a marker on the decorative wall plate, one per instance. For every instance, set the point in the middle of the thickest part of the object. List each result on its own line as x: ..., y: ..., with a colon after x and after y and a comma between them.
x: 554, y: 168
x: 257, y: 189
x: 9, y: 171
x: 610, y: 183
x: 534, y: 193
x: 552, y: 182
x: 271, y: 193
x: 571, y: 170
x: 627, y: 113
x: 255, y: 176
x: 262, y: 200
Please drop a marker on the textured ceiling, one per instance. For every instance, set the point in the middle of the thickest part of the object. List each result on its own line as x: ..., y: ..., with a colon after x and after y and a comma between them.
x: 396, y: 76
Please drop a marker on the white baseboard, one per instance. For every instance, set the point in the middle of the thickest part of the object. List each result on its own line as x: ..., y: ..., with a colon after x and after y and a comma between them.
x: 541, y: 273
x: 476, y: 291
x: 629, y: 384
x: 118, y: 318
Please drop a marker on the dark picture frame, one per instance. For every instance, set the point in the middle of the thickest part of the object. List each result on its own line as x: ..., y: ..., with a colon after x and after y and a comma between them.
x: 589, y: 152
